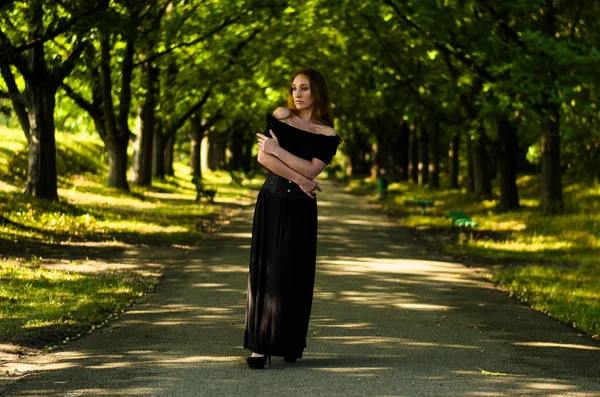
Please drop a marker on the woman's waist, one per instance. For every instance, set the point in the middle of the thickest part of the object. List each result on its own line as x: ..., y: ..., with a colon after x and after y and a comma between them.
x: 283, y: 187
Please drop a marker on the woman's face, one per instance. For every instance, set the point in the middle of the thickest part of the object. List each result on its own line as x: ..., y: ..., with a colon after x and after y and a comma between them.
x: 301, y: 92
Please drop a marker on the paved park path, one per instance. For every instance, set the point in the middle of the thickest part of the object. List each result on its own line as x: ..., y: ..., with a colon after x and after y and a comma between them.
x: 389, y: 319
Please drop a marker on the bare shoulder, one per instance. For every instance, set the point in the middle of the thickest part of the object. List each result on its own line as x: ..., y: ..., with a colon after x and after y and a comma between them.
x: 282, y: 113
x: 327, y: 131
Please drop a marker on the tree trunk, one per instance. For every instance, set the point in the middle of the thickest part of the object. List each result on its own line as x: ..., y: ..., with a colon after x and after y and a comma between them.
x: 413, y: 165
x: 375, y: 160
x: 196, y: 139
x: 453, y: 164
x: 213, y: 151
x: 168, y: 110
x: 41, y: 166
x: 483, y: 185
x: 117, y: 163
x: 147, y: 125
x: 470, y: 166
x: 551, y: 185
x: 40, y: 93
x: 507, y: 146
x: 423, y: 156
x: 169, y: 156
x: 158, y: 153
x: 236, y: 148
x: 403, y: 150
x: 434, y: 155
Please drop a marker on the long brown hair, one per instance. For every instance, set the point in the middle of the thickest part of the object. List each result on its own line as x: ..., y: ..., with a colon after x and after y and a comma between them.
x: 320, y: 95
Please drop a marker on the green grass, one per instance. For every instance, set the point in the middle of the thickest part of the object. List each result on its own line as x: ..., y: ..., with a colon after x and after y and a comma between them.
x: 570, y: 294
x: 43, y: 304
x: 551, y: 262
x: 41, y: 307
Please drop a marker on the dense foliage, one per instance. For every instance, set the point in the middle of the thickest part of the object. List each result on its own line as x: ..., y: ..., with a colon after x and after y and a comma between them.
x: 505, y: 88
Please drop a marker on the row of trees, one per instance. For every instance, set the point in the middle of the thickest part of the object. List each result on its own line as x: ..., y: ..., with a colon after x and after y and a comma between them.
x: 488, y: 83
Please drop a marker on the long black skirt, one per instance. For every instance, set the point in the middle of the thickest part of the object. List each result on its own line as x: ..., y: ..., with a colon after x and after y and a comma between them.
x: 282, y: 275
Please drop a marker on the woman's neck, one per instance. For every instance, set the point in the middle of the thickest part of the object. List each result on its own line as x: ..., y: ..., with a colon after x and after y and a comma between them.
x: 305, y: 115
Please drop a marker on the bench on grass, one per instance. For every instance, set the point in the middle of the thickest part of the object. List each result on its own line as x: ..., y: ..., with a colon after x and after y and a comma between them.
x: 461, y: 220
x: 423, y: 203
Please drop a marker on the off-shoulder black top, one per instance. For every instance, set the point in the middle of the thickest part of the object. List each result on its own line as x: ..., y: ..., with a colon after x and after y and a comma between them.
x: 301, y: 143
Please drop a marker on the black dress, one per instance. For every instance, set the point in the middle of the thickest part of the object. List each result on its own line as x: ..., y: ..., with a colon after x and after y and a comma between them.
x: 283, y: 251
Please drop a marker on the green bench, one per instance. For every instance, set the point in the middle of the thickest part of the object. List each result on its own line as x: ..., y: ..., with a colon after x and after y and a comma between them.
x: 461, y: 220
x: 423, y: 203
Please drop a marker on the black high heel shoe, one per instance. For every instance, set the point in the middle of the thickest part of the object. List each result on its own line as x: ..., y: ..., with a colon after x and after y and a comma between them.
x: 258, y: 362
x: 290, y: 359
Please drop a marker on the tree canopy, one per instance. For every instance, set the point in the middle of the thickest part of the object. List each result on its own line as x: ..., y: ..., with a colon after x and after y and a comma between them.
x: 506, y: 86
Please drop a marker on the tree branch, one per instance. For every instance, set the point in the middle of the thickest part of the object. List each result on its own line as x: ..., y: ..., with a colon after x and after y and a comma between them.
x: 482, y: 72
x: 179, y: 123
x: 67, y: 66
x: 80, y: 100
x: 501, y: 19
x: 9, y: 56
x: 188, y: 15
x: 62, y: 29
x: 241, y: 46
x: 4, y: 3
x: 126, y: 77
x: 577, y: 17
x: 13, y: 92
x: 18, y: 102
x: 386, y: 46
x: 215, y: 30
x: 149, y: 9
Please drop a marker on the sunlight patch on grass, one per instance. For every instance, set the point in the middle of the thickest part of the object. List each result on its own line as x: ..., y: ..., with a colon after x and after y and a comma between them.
x: 536, y: 244
x: 52, y: 304
x: 569, y: 294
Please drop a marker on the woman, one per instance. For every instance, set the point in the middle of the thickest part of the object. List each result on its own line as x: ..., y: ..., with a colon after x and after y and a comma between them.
x: 298, y: 143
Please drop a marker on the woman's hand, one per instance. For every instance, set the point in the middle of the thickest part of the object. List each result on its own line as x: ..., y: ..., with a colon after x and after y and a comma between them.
x: 309, y: 187
x: 268, y: 145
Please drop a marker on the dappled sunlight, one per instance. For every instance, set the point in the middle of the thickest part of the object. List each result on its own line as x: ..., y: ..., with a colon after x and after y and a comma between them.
x: 7, y: 187
x: 229, y: 269
x: 389, y: 342
x: 536, y: 244
x: 421, y: 306
x: 234, y: 235
x: 130, y: 203
x: 431, y: 270
x: 511, y: 225
x: 386, y: 314
x: 203, y: 359
x: 369, y: 222
x: 323, y: 203
x: 171, y: 196
x: 209, y: 285
x: 356, y: 371
x: 557, y: 345
x: 348, y: 325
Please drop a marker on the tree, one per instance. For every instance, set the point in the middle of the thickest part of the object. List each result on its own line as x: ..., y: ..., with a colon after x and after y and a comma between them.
x: 42, y: 75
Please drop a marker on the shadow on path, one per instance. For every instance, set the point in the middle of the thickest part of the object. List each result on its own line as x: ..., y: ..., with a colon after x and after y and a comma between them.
x: 389, y: 319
